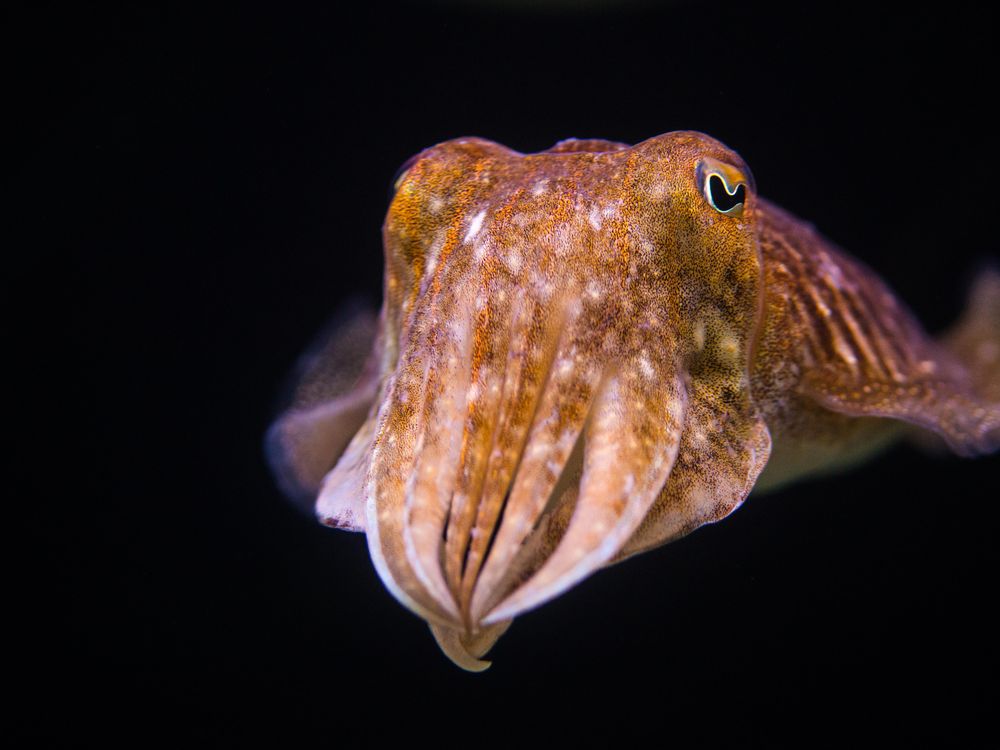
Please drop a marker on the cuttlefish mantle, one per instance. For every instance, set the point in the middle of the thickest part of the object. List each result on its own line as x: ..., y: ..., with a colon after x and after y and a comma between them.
x: 587, y: 352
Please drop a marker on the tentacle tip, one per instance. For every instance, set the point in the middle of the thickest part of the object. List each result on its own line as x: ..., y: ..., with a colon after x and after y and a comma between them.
x: 450, y: 642
x: 467, y: 649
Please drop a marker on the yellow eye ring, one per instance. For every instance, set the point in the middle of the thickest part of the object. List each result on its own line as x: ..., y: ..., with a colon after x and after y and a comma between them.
x: 724, y: 187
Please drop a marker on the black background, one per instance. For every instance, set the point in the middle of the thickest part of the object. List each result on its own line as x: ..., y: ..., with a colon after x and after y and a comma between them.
x: 203, y: 189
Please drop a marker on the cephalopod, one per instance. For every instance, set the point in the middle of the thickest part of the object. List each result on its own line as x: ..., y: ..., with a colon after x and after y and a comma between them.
x: 590, y: 351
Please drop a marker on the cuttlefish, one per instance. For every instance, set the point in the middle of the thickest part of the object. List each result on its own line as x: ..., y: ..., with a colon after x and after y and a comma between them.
x: 591, y: 351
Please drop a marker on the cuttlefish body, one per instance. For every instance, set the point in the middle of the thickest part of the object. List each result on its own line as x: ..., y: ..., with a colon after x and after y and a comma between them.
x: 590, y: 351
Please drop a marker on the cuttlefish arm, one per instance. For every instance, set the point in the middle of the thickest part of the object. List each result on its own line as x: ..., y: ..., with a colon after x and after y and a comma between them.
x: 587, y: 352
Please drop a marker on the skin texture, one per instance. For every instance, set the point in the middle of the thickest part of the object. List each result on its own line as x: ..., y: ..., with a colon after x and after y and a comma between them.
x: 590, y: 351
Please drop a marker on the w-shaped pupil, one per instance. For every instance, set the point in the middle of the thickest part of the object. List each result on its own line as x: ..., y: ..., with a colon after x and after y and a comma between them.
x: 722, y: 199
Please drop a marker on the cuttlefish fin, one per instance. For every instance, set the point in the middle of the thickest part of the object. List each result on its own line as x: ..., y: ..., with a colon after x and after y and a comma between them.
x: 950, y: 388
x: 337, y: 383
x: 722, y: 452
x: 975, y: 339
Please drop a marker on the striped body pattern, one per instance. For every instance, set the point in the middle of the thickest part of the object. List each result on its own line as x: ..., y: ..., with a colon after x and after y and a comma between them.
x: 587, y: 352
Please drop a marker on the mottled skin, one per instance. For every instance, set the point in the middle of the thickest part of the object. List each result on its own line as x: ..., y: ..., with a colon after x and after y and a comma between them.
x: 581, y: 356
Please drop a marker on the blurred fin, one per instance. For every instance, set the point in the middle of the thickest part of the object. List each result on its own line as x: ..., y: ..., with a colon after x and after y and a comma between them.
x: 336, y: 382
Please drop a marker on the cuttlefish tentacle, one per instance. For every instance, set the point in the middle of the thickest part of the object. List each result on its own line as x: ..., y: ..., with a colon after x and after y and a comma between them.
x: 510, y: 401
x: 468, y: 647
x: 563, y: 407
x: 630, y: 444
x: 590, y: 351
x: 721, y: 455
x: 415, y: 461
x: 431, y: 484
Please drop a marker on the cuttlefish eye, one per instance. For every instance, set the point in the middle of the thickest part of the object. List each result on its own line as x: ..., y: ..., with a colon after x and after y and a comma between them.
x: 723, y: 186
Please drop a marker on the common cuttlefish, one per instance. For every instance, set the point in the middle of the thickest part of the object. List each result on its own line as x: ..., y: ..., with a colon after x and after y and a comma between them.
x: 591, y: 351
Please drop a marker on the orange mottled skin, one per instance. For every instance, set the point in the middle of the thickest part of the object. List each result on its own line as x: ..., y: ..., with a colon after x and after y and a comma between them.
x: 581, y: 357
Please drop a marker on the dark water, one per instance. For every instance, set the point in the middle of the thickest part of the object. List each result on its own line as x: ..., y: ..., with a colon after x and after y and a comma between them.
x: 204, y: 189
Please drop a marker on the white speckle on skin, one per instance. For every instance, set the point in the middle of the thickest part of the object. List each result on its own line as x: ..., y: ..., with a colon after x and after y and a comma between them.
x: 831, y: 271
x: 478, y: 251
x: 459, y: 334
x: 437, y: 243
x: 538, y: 449
x: 700, y: 495
x: 594, y: 290
x: 658, y: 190
x: 514, y: 261
x: 646, y: 367
x: 565, y: 442
x: 540, y: 187
x: 699, y: 335
x: 475, y: 225
x: 595, y: 218
x: 435, y: 204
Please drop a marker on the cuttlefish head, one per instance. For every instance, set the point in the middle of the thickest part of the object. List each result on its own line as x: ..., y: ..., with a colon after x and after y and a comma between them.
x: 559, y: 377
